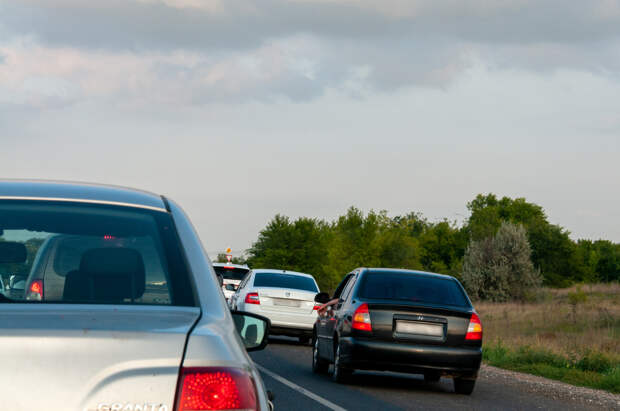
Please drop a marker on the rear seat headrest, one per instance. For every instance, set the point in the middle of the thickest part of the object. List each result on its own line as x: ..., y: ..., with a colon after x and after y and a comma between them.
x: 115, y: 273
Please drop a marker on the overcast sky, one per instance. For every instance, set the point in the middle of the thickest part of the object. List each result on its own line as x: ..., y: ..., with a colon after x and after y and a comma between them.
x: 239, y: 110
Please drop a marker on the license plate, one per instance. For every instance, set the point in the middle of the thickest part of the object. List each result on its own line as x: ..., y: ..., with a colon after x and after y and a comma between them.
x: 416, y: 328
x: 285, y: 303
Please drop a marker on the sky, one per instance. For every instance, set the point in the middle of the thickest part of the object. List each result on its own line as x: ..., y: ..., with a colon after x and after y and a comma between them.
x: 239, y: 110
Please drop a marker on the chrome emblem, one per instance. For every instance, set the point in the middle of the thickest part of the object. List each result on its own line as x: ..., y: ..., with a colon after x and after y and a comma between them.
x: 287, y: 294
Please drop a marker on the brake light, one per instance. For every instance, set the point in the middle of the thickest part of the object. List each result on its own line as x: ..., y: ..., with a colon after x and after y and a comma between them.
x: 207, y: 388
x: 252, y: 298
x: 474, y: 330
x: 361, y: 318
x: 35, y: 291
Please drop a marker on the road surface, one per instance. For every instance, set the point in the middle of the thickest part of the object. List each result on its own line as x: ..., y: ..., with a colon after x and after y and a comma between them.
x: 285, y: 368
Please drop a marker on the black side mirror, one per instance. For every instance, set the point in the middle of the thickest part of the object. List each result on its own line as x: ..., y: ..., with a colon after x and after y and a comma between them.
x: 322, y: 298
x: 12, y: 252
x: 253, y: 329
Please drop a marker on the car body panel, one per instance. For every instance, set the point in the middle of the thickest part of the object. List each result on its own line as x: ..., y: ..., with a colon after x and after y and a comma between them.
x: 70, y: 356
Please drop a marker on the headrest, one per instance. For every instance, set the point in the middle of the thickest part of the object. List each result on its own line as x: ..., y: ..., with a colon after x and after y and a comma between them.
x: 116, y: 273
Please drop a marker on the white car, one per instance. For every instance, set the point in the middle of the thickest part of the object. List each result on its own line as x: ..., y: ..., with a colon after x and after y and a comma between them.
x: 232, y: 274
x: 285, y: 297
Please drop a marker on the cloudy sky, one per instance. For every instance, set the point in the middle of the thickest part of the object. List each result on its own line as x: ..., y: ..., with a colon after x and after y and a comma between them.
x: 243, y: 109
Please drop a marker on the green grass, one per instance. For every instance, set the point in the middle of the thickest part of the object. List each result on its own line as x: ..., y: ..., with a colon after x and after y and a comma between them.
x: 593, y: 369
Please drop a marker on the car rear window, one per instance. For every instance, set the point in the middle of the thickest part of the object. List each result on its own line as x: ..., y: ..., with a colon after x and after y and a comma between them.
x: 279, y: 280
x: 412, y: 287
x: 93, y: 254
x: 231, y: 273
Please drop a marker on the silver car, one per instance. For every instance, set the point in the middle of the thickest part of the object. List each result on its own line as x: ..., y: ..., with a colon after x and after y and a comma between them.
x: 116, y: 307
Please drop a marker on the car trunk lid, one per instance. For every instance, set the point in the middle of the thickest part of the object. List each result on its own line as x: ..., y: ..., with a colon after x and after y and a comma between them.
x: 409, y: 322
x: 284, y: 299
x: 91, y: 357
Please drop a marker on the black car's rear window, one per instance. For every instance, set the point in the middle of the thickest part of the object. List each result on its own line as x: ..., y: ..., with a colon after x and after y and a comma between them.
x: 92, y: 254
x: 412, y: 287
x: 285, y: 281
x: 231, y: 273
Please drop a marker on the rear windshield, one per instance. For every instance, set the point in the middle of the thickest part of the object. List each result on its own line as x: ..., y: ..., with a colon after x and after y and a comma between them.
x: 278, y: 280
x: 412, y: 287
x: 231, y: 273
x: 67, y: 253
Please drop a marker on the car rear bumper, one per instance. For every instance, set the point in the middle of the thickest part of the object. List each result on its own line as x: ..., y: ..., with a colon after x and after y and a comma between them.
x: 414, y: 358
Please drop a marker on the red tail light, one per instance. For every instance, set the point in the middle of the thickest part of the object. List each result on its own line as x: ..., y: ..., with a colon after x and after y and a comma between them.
x: 207, y: 388
x: 35, y: 291
x: 361, y: 318
x: 474, y: 330
x: 252, y: 298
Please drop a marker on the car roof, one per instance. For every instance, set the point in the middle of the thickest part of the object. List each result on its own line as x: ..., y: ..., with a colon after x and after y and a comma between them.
x: 276, y: 271
x: 405, y: 271
x: 79, y: 192
x: 231, y: 265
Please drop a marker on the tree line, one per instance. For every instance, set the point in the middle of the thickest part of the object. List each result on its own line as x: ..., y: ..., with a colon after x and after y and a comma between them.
x: 508, y: 241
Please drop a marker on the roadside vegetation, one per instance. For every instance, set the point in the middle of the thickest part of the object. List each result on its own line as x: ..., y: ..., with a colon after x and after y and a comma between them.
x: 571, y: 335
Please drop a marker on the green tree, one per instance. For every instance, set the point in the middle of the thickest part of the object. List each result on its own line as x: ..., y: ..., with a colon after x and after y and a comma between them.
x: 499, y: 267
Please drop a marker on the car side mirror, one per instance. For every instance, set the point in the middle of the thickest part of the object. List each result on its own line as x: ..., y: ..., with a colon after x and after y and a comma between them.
x: 253, y: 329
x: 12, y: 252
x: 322, y: 298
x: 17, y: 282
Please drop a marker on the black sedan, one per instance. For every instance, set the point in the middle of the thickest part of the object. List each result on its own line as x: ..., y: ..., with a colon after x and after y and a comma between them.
x: 399, y: 320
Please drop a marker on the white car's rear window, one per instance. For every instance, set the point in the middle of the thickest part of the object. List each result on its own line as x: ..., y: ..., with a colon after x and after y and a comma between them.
x: 279, y: 280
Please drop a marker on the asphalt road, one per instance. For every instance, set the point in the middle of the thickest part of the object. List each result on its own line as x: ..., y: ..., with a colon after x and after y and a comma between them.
x: 285, y: 367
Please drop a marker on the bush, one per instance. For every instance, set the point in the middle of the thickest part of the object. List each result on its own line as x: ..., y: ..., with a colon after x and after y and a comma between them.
x: 499, y: 268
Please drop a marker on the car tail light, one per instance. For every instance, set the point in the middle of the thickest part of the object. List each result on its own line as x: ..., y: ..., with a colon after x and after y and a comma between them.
x: 252, y: 298
x: 35, y: 291
x: 474, y: 330
x: 361, y: 318
x: 208, y: 388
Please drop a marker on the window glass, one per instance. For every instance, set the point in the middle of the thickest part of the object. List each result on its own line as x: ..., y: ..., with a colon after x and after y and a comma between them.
x: 92, y: 254
x: 231, y: 273
x: 412, y: 287
x: 279, y: 280
x: 347, y: 289
x: 341, y: 286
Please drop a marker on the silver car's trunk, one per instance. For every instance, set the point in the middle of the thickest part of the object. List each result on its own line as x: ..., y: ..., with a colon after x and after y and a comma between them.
x: 89, y: 357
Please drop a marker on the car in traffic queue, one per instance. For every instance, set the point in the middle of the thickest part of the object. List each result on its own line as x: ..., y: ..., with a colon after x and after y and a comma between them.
x: 399, y: 320
x: 231, y: 274
x: 285, y: 297
x: 121, y: 307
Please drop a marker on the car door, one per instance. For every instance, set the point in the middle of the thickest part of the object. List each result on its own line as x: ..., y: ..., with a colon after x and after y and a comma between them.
x: 327, y: 322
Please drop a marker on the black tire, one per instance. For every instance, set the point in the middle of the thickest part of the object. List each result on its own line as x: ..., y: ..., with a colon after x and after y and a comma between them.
x: 464, y: 385
x: 432, y: 376
x: 341, y: 374
x: 304, y: 339
x: 319, y: 365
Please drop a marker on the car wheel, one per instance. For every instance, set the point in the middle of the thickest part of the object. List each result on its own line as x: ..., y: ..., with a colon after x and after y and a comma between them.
x: 464, y: 385
x: 304, y: 339
x: 432, y: 376
x: 319, y: 365
x: 341, y: 374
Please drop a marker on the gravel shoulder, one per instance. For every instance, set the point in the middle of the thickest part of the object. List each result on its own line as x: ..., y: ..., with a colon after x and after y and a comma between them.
x: 551, y: 388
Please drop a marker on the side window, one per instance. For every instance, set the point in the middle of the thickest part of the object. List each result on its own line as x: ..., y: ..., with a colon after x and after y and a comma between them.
x: 348, y: 288
x: 245, y: 280
x: 341, y: 286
